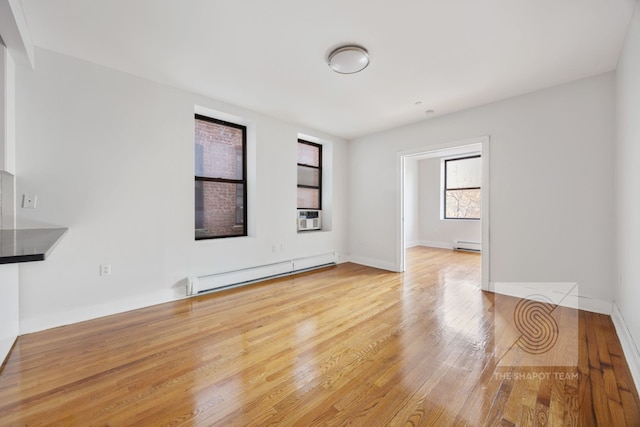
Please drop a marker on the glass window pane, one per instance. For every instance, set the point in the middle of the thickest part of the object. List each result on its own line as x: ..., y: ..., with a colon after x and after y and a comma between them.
x: 219, y: 210
x: 218, y: 152
x: 199, y: 205
x: 463, y: 204
x: 464, y: 173
x: 308, y: 176
x: 308, y: 198
x: 308, y: 155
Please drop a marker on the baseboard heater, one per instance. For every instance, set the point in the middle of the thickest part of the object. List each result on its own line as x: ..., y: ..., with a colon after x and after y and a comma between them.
x: 232, y: 279
x: 467, y: 246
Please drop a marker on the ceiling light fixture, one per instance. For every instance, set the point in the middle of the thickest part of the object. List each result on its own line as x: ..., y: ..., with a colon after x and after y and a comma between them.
x: 348, y: 59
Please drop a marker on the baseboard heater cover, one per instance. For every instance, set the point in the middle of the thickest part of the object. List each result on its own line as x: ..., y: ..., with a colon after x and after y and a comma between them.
x: 231, y: 279
x: 467, y: 246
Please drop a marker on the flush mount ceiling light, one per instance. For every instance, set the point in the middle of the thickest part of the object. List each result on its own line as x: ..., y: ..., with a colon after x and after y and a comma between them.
x: 348, y: 59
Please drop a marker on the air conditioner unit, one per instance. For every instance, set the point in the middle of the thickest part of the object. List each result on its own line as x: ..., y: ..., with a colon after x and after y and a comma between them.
x: 309, y: 220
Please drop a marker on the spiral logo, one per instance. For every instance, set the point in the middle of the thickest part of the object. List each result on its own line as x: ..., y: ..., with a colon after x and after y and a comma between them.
x: 538, y: 329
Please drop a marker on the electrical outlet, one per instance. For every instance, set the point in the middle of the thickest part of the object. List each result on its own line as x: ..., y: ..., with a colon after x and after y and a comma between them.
x: 105, y: 270
x: 29, y: 201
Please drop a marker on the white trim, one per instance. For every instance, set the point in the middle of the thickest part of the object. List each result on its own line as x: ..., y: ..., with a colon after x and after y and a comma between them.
x: 412, y: 244
x: 310, y: 138
x: 439, y: 245
x: 54, y: 320
x: 629, y: 346
x: 594, y: 305
x: 555, y: 292
x: 343, y: 259
x: 445, y: 149
x: 486, y: 216
x: 375, y: 263
x: 15, y: 32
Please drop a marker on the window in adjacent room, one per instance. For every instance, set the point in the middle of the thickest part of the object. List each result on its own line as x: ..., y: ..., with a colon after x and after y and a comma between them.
x: 309, y: 175
x: 462, y: 178
x: 220, y: 178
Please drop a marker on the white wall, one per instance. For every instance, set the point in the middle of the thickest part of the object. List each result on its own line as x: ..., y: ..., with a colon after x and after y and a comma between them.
x: 111, y: 157
x: 627, y: 220
x: 551, y: 185
x: 433, y: 230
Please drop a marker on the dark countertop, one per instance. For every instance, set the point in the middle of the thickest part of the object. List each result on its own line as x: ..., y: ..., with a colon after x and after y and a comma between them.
x: 29, y: 244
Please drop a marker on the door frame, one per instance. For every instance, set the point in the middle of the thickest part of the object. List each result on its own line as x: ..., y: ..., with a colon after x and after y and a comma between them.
x: 444, y: 149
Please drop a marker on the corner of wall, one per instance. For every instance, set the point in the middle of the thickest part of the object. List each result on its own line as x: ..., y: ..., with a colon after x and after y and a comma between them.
x: 629, y: 346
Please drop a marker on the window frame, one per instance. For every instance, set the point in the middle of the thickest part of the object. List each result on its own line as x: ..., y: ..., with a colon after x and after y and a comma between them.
x: 242, y: 181
x: 445, y: 189
x: 319, y: 168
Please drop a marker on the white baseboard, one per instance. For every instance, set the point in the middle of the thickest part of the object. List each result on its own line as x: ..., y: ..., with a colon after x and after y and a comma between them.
x: 595, y: 305
x: 441, y: 245
x: 375, y: 263
x: 554, y: 293
x: 629, y: 346
x: 412, y: 244
x: 36, y: 324
x: 342, y: 258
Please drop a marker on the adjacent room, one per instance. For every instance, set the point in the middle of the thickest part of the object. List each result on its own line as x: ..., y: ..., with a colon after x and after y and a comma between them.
x: 332, y: 213
x: 442, y: 198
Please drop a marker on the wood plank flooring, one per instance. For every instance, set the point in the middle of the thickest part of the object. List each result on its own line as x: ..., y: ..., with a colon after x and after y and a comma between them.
x: 348, y: 345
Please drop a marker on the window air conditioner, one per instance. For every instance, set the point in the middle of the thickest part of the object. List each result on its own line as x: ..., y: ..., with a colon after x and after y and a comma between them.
x: 309, y: 220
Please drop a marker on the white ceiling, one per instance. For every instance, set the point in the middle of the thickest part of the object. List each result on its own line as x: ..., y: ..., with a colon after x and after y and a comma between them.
x: 270, y: 56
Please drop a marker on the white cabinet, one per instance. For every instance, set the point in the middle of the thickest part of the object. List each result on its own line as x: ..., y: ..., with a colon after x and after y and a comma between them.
x: 9, y: 315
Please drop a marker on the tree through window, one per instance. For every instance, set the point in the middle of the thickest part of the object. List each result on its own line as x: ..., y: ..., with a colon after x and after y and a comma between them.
x: 462, y: 191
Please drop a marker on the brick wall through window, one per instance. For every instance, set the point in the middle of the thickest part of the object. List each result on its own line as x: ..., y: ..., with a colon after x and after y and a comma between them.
x: 220, y: 178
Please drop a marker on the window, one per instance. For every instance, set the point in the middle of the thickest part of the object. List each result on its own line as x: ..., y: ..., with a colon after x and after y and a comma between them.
x: 309, y: 175
x: 462, y: 177
x: 220, y: 178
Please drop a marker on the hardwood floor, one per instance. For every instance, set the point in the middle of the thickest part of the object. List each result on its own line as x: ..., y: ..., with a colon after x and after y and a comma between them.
x: 348, y: 345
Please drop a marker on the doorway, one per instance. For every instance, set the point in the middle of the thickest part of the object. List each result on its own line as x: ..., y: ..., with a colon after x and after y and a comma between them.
x: 406, y: 163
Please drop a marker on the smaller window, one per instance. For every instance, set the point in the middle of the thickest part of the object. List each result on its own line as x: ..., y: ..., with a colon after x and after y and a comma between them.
x: 462, y: 191
x: 309, y: 175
